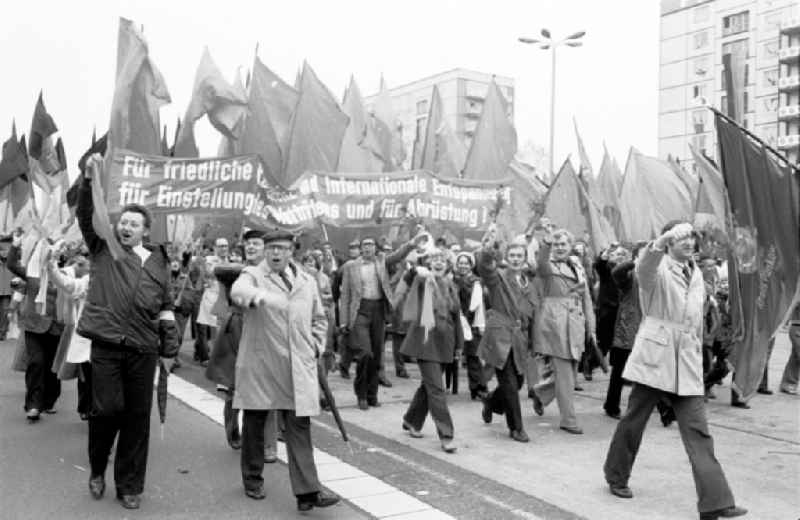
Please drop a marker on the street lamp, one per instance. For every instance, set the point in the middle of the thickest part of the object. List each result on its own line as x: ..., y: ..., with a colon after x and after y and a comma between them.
x: 545, y: 43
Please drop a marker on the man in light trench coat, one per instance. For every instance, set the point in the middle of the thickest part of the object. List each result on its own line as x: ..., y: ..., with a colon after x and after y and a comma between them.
x: 276, y: 368
x: 666, y: 362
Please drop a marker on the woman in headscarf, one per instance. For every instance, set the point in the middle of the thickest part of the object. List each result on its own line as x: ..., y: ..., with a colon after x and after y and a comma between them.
x: 434, y: 338
x: 470, y: 295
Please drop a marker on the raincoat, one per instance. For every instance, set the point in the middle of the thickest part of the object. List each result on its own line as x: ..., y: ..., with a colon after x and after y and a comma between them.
x: 276, y: 367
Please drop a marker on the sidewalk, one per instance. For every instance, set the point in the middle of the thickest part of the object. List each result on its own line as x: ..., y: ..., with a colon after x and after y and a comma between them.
x: 758, y: 448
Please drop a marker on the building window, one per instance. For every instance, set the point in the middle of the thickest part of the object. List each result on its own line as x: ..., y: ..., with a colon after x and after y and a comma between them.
x: 770, y: 78
x: 422, y: 124
x: 745, y: 103
x: 770, y: 104
x: 723, y: 105
x: 735, y: 23
x: 701, y: 14
x: 700, y: 40
x: 698, y: 91
x: 701, y: 66
x: 422, y: 107
x: 699, y: 121
x: 769, y: 50
x: 699, y: 143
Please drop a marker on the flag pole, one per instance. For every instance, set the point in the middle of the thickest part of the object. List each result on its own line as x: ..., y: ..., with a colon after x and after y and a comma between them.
x: 753, y: 136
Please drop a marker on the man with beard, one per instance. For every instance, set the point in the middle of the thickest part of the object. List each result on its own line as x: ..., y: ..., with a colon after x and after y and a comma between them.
x: 507, y: 339
x: 128, y: 312
x: 666, y: 362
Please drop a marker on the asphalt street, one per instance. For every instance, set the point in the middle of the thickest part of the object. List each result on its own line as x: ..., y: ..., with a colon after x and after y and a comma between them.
x: 192, y: 473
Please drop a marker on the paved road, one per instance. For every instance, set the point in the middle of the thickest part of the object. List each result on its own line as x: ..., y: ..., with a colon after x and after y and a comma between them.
x: 193, y: 474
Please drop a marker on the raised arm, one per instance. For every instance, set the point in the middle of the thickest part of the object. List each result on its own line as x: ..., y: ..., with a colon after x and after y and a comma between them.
x: 487, y: 267
x: 84, y: 212
x: 244, y: 290
x: 61, y: 279
x: 13, y: 262
x: 622, y: 275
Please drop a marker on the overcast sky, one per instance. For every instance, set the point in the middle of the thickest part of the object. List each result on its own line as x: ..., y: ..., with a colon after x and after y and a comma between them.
x: 610, y: 85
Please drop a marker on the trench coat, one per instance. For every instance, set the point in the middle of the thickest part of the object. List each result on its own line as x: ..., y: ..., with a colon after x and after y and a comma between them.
x: 510, y: 315
x: 565, y: 315
x: 667, y: 353
x: 276, y: 367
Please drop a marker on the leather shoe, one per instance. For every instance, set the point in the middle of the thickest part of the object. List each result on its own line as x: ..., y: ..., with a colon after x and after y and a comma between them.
x: 270, y: 456
x: 578, y: 388
x: 362, y: 404
x: 728, y: 512
x: 764, y: 391
x: 486, y: 413
x: 322, y: 499
x: 344, y: 372
x: 413, y: 432
x: 538, y: 407
x: 613, y: 415
x: 384, y: 382
x: 740, y: 404
x: 373, y: 403
x: 519, y: 436
x: 129, y: 501
x: 448, y: 446
x: 620, y: 491
x: 257, y: 493
x: 575, y: 430
x: 97, y: 486
x: 33, y: 414
x: 788, y: 389
x: 403, y: 375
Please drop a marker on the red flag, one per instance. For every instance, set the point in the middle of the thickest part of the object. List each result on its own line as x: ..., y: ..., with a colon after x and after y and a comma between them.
x: 212, y: 95
x: 609, y: 181
x: 14, y: 162
x: 356, y: 154
x: 388, y: 131
x: 495, y: 141
x: 711, y: 203
x: 585, y: 172
x: 42, y: 127
x: 317, y: 129
x: 764, y: 265
x: 651, y: 196
x: 266, y: 127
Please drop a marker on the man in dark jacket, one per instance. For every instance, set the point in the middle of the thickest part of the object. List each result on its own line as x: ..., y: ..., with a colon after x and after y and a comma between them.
x: 128, y: 316
x: 42, y: 334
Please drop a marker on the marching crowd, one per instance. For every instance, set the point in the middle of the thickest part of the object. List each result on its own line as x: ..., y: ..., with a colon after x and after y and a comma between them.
x: 269, y: 320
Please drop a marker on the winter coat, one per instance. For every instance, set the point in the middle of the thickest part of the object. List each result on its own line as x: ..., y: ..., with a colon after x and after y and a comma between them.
x: 276, y: 367
x: 629, y: 314
x: 509, y: 319
x: 446, y: 337
x: 127, y: 298
x: 32, y: 319
x: 565, y: 314
x: 667, y: 353
x: 351, y: 283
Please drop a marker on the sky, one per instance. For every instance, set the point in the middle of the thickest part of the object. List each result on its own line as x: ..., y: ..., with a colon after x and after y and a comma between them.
x: 610, y: 85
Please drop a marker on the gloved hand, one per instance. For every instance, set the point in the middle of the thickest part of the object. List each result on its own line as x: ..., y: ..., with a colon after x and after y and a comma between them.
x: 169, y: 340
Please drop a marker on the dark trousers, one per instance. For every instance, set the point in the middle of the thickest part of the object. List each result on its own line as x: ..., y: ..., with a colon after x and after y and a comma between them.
x: 299, y: 450
x: 399, y: 362
x: 205, y: 334
x: 478, y: 375
x: 367, y: 341
x: 505, y: 398
x: 231, y: 418
x: 618, y: 358
x: 606, y: 321
x: 42, y: 386
x: 85, y: 388
x: 430, y: 396
x: 712, y: 488
x: 122, y: 396
x: 5, y: 300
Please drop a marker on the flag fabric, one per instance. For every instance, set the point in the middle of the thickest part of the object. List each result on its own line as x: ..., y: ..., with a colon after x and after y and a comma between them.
x: 569, y: 206
x: 651, y: 196
x: 224, y: 104
x: 356, y: 155
x: 164, y: 143
x: 495, y: 142
x: 442, y: 151
x: 764, y: 264
x: 689, y: 179
x: 14, y: 162
x: 527, y: 195
x: 734, y: 64
x: 228, y: 145
x: 271, y: 103
x: 586, y: 172
x: 711, y: 202
x: 42, y: 127
x: 609, y: 181
x: 388, y: 131
x: 317, y: 130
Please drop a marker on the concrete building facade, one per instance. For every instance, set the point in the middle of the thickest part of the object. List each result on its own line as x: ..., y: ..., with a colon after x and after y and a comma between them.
x: 462, y: 91
x: 694, y: 36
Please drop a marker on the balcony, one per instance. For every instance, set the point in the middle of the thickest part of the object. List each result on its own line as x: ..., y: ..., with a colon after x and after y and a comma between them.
x: 789, y: 83
x: 786, y: 142
x: 791, y: 26
x: 789, y: 54
x: 789, y: 112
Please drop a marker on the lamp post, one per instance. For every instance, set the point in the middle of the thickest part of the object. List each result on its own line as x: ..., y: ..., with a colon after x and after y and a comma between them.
x: 545, y: 43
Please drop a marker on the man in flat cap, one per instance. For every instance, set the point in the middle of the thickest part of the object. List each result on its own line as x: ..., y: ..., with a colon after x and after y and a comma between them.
x: 283, y: 333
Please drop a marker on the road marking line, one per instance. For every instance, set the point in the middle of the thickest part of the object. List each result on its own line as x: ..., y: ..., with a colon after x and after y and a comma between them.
x: 334, y: 473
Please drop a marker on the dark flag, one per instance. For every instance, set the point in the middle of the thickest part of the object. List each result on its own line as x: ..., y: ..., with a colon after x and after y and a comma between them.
x: 14, y: 162
x: 42, y: 127
x: 764, y: 261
